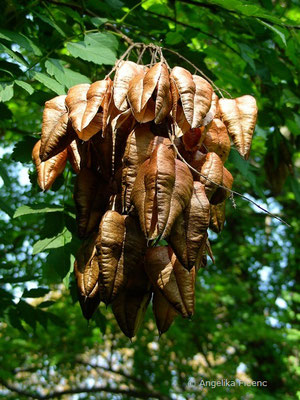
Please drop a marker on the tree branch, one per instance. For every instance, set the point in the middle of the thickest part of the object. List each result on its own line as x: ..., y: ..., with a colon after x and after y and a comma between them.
x: 194, y: 28
x: 97, y: 389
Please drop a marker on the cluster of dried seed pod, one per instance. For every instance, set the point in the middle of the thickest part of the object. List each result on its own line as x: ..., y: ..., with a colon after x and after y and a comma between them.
x: 149, y: 150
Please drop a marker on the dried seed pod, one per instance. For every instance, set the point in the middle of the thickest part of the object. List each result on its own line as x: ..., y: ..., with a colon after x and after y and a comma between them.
x: 139, y: 146
x: 125, y: 72
x: 91, y: 196
x: 209, y: 251
x: 222, y: 194
x: 57, y: 132
x: 162, y: 189
x: 186, y: 88
x: 156, y: 84
x: 217, y: 217
x: 130, y: 305
x: 86, y: 270
x: 239, y: 116
x: 217, y: 140
x: 48, y: 171
x: 181, y: 125
x: 120, y: 248
x: 189, y: 232
x: 74, y: 156
x: 164, y: 312
x: 202, y: 100
x: 98, y: 97
x: 192, y: 139
x: 213, y: 170
x: 214, y: 111
x: 171, y: 278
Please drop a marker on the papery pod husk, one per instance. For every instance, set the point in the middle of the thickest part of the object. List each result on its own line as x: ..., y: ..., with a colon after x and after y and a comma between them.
x: 126, y: 71
x: 102, y: 151
x: 217, y: 217
x: 139, y: 147
x: 209, y: 251
x: 115, y: 203
x: 202, y: 100
x: 76, y: 102
x: 156, y: 84
x: 217, y: 140
x: 213, y: 170
x: 162, y: 189
x: 239, y: 115
x: 98, y: 97
x: 174, y: 281
x: 164, y: 312
x: 74, y: 156
x: 57, y: 131
x: 214, y: 111
x: 186, y: 88
x: 121, y: 248
x: 48, y: 171
x: 193, y: 138
x: 181, y: 125
x: 189, y: 232
x: 130, y: 305
x: 91, y: 196
x: 86, y: 271
x: 222, y: 194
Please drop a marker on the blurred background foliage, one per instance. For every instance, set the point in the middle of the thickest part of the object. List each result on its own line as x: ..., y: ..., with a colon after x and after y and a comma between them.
x: 247, y: 302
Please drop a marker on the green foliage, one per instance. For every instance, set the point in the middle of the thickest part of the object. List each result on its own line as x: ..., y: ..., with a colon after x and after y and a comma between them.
x: 247, y: 303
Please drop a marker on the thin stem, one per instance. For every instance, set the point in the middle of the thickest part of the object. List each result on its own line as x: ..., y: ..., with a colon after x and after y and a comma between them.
x: 223, y: 187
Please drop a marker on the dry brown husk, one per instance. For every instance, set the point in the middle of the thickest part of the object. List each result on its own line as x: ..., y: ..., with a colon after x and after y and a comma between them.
x: 57, y: 131
x: 74, y: 156
x: 213, y: 170
x: 239, y: 115
x: 175, y: 282
x: 189, y: 232
x: 214, y: 111
x: 120, y: 248
x: 217, y: 140
x: 126, y: 71
x: 86, y: 270
x: 164, y: 312
x: 222, y: 194
x: 48, y: 171
x: 193, y: 138
x: 139, y: 147
x: 91, y: 196
x: 130, y: 305
x: 217, y: 217
x: 98, y: 97
x: 202, y: 100
x: 162, y: 190
x: 186, y: 88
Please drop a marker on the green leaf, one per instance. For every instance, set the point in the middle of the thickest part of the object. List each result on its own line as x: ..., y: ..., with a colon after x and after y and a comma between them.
x: 36, y: 209
x: 23, y: 148
x: 277, y: 31
x: 21, y: 40
x: 25, y: 86
x: 100, y: 321
x: 13, y: 54
x: 99, y: 48
x: 64, y: 76
x: 4, y: 206
x: 50, y: 83
x: 51, y: 23
x: 6, y: 92
x: 35, y: 293
x: 66, y: 279
x: 46, y: 304
x: 4, y: 175
x: 295, y: 186
x: 52, y: 243
x: 97, y: 21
